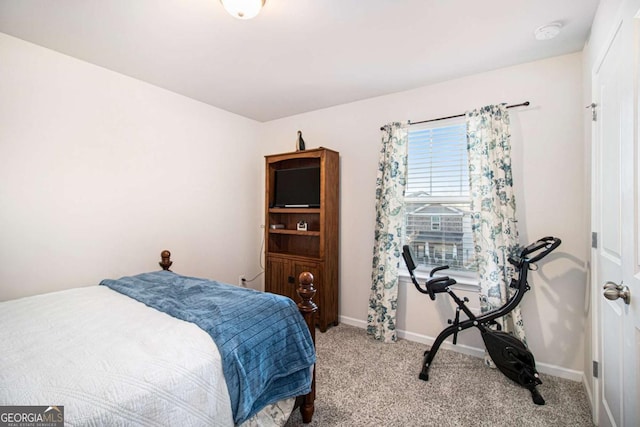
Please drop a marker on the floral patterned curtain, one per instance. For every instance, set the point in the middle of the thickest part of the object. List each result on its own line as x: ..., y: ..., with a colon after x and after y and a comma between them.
x: 387, y: 250
x: 493, y: 208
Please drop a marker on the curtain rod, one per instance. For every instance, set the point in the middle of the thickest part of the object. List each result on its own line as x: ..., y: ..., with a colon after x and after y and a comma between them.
x: 524, y: 104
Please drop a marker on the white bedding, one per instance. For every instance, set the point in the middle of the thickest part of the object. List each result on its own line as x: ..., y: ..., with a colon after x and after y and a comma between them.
x: 110, y: 360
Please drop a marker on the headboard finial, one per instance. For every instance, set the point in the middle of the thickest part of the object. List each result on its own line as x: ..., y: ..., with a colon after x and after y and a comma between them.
x: 166, y: 261
x: 306, y: 292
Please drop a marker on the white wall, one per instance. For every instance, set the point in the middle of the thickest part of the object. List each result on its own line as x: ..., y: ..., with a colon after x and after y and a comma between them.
x: 100, y: 172
x: 547, y: 139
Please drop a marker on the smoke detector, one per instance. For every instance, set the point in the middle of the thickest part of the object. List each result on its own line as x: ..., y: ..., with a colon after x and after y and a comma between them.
x: 548, y: 31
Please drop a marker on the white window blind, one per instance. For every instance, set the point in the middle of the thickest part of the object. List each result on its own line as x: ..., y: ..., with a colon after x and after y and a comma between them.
x: 437, y: 200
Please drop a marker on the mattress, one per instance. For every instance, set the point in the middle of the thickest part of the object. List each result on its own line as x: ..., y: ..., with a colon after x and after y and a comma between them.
x: 110, y: 360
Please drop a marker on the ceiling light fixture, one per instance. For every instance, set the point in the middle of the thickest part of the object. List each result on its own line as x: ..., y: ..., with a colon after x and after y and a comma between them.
x: 549, y: 31
x: 243, y: 9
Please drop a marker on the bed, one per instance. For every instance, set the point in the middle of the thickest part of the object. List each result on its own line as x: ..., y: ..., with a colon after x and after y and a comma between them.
x: 160, y: 348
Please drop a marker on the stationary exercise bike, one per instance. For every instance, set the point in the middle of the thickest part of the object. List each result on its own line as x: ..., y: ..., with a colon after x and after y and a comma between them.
x: 508, y: 353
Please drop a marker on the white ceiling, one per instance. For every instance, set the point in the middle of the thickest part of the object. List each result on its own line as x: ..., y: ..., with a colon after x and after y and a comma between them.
x: 298, y: 55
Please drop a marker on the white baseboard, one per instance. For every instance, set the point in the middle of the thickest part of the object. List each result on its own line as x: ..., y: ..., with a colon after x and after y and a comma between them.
x: 353, y: 322
x: 588, y: 389
x: 543, y: 368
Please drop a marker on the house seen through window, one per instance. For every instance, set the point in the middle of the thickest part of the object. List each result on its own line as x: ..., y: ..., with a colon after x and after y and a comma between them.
x: 437, y: 199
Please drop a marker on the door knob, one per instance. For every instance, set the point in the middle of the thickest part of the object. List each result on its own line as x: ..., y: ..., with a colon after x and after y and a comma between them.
x: 613, y: 291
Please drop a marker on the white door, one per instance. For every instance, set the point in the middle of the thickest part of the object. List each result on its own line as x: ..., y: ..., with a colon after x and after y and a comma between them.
x: 615, y: 215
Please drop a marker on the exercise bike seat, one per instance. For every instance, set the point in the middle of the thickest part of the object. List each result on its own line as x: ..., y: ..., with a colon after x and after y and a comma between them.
x: 438, y: 285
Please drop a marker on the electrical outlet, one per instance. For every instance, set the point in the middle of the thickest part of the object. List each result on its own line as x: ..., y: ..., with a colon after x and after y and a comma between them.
x: 242, y: 281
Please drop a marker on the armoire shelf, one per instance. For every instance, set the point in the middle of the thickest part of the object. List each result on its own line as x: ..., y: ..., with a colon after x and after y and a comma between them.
x: 296, y: 232
x: 289, y: 251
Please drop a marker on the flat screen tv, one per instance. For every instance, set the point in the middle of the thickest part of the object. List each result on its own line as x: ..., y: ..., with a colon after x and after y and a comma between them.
x: 297, y: 187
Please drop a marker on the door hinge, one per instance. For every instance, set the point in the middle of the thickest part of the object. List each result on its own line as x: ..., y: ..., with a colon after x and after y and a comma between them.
x: 595, y: 369
x: 594, y: 114
x: 594, y: 240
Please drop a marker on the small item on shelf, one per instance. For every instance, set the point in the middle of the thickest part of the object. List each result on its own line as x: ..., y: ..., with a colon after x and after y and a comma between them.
x: 300, y: 142
x: 302, y: 226
x: 276, y: 226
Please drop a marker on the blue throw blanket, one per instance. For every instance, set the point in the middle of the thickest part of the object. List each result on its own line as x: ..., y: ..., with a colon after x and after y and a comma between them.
x: 265, y: 344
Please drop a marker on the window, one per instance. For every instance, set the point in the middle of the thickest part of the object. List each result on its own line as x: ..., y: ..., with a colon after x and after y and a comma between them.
x: 437, y: 198
x: 435, y: 223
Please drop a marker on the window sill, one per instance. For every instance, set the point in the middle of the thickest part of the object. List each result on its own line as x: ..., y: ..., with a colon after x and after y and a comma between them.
x: 465, y: 283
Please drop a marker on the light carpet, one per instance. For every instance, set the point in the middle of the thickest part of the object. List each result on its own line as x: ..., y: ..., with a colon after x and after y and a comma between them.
x: 362, y: 382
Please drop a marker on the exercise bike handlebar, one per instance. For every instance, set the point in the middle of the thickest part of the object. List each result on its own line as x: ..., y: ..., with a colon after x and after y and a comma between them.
x: 528, y: 255
x: 545, y: 245
x: 435, y: 270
